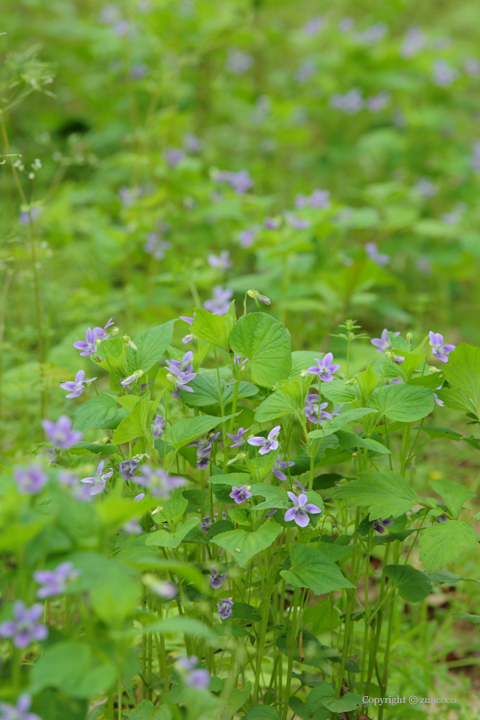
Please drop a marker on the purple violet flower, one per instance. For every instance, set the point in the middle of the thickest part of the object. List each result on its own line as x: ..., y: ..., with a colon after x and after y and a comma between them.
x: 92, y: 340
x: 24, y: 628
x: 198, y: 678
x: 377, y: 257
x: 454, y: 217
x: 158, y: 426
x: 266, y: 445
x: 240, y: 494
x: 128, y: 468
x: 426, y: 188
x: 238, y: 437
x: 55, y: 581
x: 379, y: 102
x: 383, y: 342
x: 316, y: 413
x: 238, y: 62
x: 19, y: 711
x: 414, y: 41
x: 246, y: 238
x: 216, y: 579
x: 187, y: 338
x: 60, y: 433
x: 443, y: 73
x: 192, y: 143
x: 30, y: 480
x: 439, y: 350
x: 224, y: 608
x: 297, y: 223
x: 279, y: 466
x: 325, y: 368
x: 220, y: 262
x: 158, y: 481
x: 313, y: 26
x: 33, y: 213
x: 301, y: 507
x: 346, y: 24
x: 204, y: 449
x: 132, y: 527
x: 173, y: 157
x: 164, y: 589
x: 156, y: 247
x: 99, y: 480
x: 206, y: 522
x: 76, y: 387
x: 305, y: 71
x: 350, y: 103
x: 380, y: 525
x: 220, y: 303
x: 271, y: 223
x: 182, y: 372
x: 137, y: 72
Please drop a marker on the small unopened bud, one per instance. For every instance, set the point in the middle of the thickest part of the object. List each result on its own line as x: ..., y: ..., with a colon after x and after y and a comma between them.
x: 128, y: 341
x: 352, y: 381
x: 114, y: 331
x: 255, y: 295
x: 171, y: 378
x: 131, y: 378
x: 237, y: 458
x: 409, y: 336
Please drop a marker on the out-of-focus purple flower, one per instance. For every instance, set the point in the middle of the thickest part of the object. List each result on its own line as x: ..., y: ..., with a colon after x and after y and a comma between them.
x: 383, y: 343
x: 313, y: 26
x: 30, y: 480
x: 439, y: 402
x: 206, y: 522
x: 173, y: 157
x: 246, y: 238
x: 439, y: 350
x: 128, y: 468
x: 192, y: 143
x: 238, y: 437
x: 24, y: 628
x: 238, y: 62
x: 424, y: 265
x: 139, y: 497
x: 55, y: 581
x: 380, y: 525
x: 426, y: 188
x: 305, y: 72
x: 109, y: 14
x: 315, y: 412
x: 19, y: 711
x: 137, y: 72
x: 298, y: 484
x: 220, y: 303
x: 442, y: 519
x: 158, y: 481
x: 158, y: 426
x: 189, y: 337
x: 346, y: 24
x: 98, y: 481
x: 271, y: 223
x: 325, y: 368
x: 132, y: 527
x: 224, y: 608
x: 475, y: 157
x: 60, y: 433
x: 216, y: 579
x: 92, y: 340
x: 454, y: 217
x: 373, y: 34
x: 377, y: 257
x: 279, y: 466
x: 377, y: 103
x: 129, y: 196
x: 76, y: 387
x: 296, y: 222
x: 240, y: 181
x: 413, y: 43
x: 472, y: 67
x: 350, y: 102
x: 270, y: 513
x: 239, y: 362
x: 301, y: 507
x: 443, y: 73
x: 266, y: 445
x: 156, y: 247
x: 198, y: 678
x: 122, y: 28
x: 33, y: 213
x: 240, y: 494
x: 220, y: 262
x: 318, y: 199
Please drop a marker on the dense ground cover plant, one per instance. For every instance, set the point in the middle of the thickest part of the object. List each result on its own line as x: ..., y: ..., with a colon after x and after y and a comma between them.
x: 198, y: 556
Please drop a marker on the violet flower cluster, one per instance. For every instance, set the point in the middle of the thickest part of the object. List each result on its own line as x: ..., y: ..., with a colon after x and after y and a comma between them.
x: 220, y: 303
x: 93, y: 338
x: 181, y: 372
x: 30, y: 480
x: 61, y: 433
x: 25, y: 626
x: 55, y: 581
x: 204, y: 449
x: 224, y: 608
x: 158, y: 481
x: 76, y: 387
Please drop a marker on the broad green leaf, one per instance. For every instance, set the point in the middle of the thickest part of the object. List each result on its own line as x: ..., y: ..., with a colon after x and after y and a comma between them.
x: 440, y: 433
x: 244, y: 545
x: 351, y: 440
x: 262, y: 712
x: 116, y: 596
x: 164, y: 538
x: 311, y: 569
x: 412, y: 584
x: 367, y: 381
x: 175, y: 506
x: 337, y: 392
x: 71, y: 667
x: 147, y: 711
x: 266, y: 343
x: 456, y: 399
x: 349, y: 702
x: 99, y: 412
x: 467, y: 616
x: 236, y: 699
x: 463, y: 372
x: 445, y: 542
x: 404, y: 403
x: 275, y: 497
x: 112, y: 356
x: 206, y: 391
x: 302, y: 360
x: 386, y: 494
x: 53, y: 703
x: 175, y: 625
x: 214, y: 329
x: 316, y: 696
x: 232, y: 479
x: 186, y: 431
x: 454, y: 495
x: 135, y: 424
x: 151, y: 346
x: 94, y: 447
x: 289, y: 398
x: 347, y: 418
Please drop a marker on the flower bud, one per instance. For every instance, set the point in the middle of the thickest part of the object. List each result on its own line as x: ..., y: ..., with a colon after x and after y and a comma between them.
x: 128, y: 341
x: 255, y: 295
